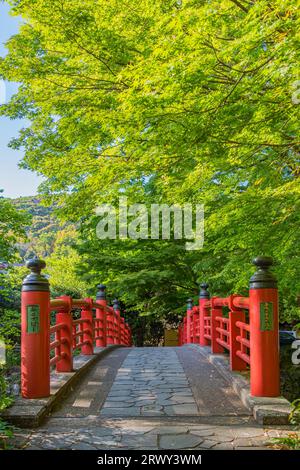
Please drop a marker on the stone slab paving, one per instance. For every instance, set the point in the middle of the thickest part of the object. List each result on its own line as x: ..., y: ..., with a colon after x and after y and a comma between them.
x: 94, y: 433
x: 90, y: 394
x: 150, y: 382
x: 146, y: 398
x: 213, y: 394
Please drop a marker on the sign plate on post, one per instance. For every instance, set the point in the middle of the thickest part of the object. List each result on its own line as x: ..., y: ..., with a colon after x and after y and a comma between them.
x: 266, y: 316
x: 33, y: 318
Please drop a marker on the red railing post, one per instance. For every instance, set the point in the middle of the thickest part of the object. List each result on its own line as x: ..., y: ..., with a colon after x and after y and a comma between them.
x: 203, y: 298
x: 100, y: 320
x: 194, y: 324
x: 35, y: 333
x: 216, y: 348
x: 127, y: 335
x: 64, y: 318
x: 117, y: 319
x: 196, y: 327
x: 235, y: 315
x: 110, y: 327
x: 122, y: 330
x: 191, y: 325
x: 88, y: 331
x: 189, y: 313
x: 264, y: 334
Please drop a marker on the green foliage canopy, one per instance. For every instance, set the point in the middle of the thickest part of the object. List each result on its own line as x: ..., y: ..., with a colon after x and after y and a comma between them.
x: 195, y: 97
x: 12, y: 228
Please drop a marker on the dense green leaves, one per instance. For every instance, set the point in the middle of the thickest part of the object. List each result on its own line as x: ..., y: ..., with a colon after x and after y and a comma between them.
x: 170, y: 102
x: 63, y: 265
x: 151, y: 277
x: 12, y: 223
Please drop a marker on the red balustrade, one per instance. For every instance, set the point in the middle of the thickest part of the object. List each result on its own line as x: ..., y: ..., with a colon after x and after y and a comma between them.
x: 207, y: 327
x: 122, y: 330
x: 100, y: 320
x: 223, y: 333
x: 80, y: 333
x: 195, y: 324
x: 244, y: 339
x: 44, y: 346
x: 248, y: 330
x: 57, y: 344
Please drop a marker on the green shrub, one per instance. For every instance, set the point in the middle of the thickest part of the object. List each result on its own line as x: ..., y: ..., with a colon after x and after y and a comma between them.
x: 294, y: 417
x: 6, y: 433
x: 289, y: 442
x: 5, y: 400
x: 10, y: 326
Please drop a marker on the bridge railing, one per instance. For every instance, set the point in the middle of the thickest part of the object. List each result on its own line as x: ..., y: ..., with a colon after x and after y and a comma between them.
x: 248, y: 332
x: 44, y: 346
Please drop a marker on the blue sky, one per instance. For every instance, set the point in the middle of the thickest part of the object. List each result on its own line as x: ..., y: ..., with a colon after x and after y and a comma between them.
x: 13, y: 181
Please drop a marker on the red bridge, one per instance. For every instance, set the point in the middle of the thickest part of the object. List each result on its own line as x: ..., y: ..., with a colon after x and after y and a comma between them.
x: 158, y: 398
x: 248, y: 331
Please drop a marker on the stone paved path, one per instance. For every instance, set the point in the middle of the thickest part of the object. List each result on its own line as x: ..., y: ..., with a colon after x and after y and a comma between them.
x: 150, y: 382
x: 150, y: 398
x: 91, y: 433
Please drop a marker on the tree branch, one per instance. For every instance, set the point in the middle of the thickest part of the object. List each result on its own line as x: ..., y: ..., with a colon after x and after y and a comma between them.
x: 239, y: 4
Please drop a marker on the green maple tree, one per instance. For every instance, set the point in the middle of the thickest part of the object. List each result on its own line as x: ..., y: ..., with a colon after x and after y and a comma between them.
x: 192, y: 99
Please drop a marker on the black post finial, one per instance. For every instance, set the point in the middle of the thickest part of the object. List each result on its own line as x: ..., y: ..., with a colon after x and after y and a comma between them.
x: 101, y: 292
x: 189, y: 304
x: 35, y: 281
x: 204, y: 294
x: 263, y: 278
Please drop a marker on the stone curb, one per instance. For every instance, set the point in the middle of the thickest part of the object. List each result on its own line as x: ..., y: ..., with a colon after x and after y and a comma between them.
x: 266, y: 410
x: 31, y: 412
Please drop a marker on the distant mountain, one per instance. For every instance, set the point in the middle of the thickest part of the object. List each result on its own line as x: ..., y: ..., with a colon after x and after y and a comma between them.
x: 42, y: 230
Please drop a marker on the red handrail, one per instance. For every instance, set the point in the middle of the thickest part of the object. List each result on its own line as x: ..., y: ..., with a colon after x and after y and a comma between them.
x: 44, y: 345
x: 81, y: 333
x: 249, y: 334
x: 222, y: 329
